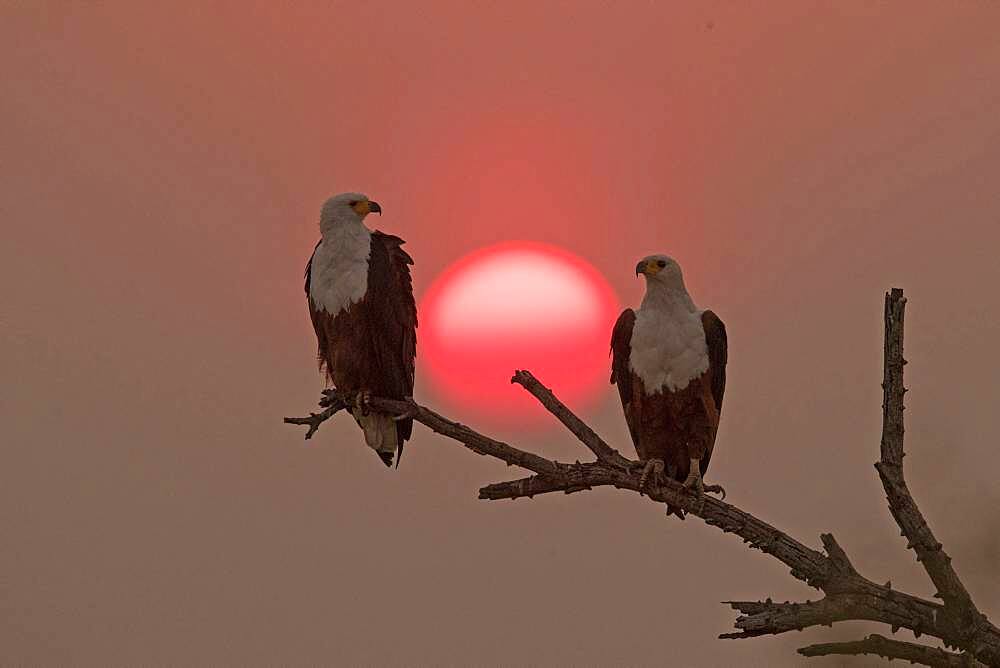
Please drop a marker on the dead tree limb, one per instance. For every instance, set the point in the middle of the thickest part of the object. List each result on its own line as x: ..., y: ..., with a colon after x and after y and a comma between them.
x: 603, y: 451
x: 894, y: 649
x: 960, y: 611
x: 848, y: 595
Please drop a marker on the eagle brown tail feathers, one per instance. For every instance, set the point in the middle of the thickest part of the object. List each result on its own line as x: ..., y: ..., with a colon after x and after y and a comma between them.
x: 381, y: 435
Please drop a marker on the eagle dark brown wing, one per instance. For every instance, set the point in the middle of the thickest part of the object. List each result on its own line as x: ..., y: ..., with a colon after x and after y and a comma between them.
x: 318, y: 319
x: 391, y: 304
x: 718, y: 354
x: 621, y: 373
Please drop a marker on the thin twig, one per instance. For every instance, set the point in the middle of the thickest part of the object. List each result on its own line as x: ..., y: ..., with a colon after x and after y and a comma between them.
x: 314, y: 420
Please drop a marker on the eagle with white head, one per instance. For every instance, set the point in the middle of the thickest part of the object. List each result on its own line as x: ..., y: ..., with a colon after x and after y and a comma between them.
x: 669, y: 362
x: 361, y: 304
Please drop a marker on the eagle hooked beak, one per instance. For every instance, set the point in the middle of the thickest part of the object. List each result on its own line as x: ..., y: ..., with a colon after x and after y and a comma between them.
x: 373, y: 207
x: 640, y: 268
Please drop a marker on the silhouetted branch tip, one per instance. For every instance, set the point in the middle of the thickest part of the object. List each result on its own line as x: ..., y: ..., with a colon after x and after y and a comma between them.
x: 578, y: 427
x: 314, y: 420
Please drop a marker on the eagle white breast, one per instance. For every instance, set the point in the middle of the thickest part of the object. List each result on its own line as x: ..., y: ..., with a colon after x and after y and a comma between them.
x: 668, y: 348
x: 339, y: 275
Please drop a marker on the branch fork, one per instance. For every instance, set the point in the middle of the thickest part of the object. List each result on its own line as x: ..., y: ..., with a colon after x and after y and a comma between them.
x: 848, y: 595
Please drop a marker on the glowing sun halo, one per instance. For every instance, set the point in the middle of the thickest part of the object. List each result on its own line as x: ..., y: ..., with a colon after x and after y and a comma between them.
x: 516, y: 305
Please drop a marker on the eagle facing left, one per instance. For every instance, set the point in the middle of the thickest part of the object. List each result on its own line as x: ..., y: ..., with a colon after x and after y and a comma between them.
x: 361, y: 304
x: 669, y: 363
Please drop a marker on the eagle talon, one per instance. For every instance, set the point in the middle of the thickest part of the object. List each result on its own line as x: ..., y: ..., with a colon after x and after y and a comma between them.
x: 361, y: 402
x: 715, y: 489
x: 408, y: 415
x: 329, y: 397
x: 410, y: 412
x: 653, y: 468
x: 695, y: 483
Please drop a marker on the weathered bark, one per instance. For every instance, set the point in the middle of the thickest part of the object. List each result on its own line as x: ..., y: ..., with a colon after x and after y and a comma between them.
x: 894, y: 649
x: 969, y: 626
x: 848, y: 595
x: 603, y: 451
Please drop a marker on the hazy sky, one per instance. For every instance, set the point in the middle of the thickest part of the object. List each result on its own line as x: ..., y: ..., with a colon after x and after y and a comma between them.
x: 161, y: 175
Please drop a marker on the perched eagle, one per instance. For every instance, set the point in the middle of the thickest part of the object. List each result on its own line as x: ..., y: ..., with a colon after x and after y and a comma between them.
x: 669, y: 362
x: 361, y: 304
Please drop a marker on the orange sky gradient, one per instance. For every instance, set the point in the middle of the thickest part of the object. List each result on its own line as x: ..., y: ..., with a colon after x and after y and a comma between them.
x: 161, y: 176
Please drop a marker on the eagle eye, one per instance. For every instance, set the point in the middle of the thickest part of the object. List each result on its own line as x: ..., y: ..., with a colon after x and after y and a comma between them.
x: 661, y: 264
x: 353, y: 202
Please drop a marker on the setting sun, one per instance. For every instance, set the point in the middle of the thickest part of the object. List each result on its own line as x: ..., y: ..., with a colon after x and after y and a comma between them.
x: 517, y: 305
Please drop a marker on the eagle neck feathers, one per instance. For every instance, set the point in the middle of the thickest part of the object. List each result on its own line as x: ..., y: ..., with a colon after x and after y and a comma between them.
x: 668, y: 348
x: 339, y: 274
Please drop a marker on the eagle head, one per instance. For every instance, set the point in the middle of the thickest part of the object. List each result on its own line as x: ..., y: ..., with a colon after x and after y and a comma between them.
x: 347, y: 208
x: 659, y: 269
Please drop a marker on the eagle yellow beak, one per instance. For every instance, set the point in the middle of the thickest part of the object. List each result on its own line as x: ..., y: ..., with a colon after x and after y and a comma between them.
x: 647, y: 268
x: 364, y: 207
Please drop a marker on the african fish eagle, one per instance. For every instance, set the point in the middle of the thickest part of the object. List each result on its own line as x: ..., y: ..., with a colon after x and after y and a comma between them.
x: 361, y: 304
x: 669, y: 362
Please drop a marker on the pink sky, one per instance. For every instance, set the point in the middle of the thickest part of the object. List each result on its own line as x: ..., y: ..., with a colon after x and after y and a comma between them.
x: 161, y: 178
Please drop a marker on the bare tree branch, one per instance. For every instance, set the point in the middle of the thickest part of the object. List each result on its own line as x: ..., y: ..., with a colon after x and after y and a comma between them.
x: 761, y: 618
x: 894, y: 649
x: 963, y: 614
x: 587, y: 436
x: 848, y: 595
x: 314, y: 420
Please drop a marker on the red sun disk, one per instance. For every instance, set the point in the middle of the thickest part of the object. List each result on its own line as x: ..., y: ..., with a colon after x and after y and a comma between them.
x: 518, y: 305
